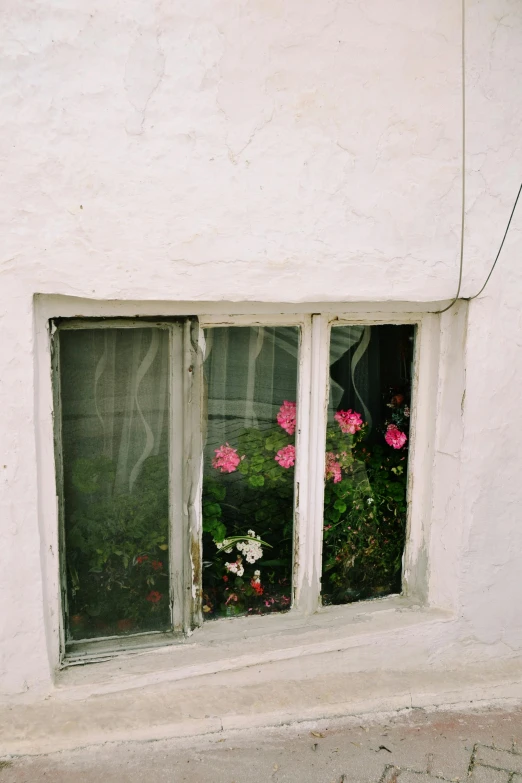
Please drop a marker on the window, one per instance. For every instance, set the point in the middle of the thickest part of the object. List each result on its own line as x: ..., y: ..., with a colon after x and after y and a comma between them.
x: 248, y: 488
x: 209, y: 470
x: 126, y: 444
x: 366, y: 461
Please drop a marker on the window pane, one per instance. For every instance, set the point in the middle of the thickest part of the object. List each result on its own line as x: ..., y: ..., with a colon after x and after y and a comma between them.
x: 366, y: 461
x: 248, y: 490
x: 115, y: 419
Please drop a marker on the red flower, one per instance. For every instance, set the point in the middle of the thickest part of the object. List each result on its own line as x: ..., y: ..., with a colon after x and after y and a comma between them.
x: 154, y: 597
x: 225, y: 578
x: 256, y: 584
x: 141, y: 559
x: 157, y: 565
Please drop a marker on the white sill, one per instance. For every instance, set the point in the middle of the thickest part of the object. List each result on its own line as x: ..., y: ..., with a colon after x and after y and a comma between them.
x: 236, y: 643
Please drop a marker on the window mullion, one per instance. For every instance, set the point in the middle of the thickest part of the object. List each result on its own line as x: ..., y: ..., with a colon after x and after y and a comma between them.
x: 301, y: 570
x: 176, y: 470
x: 310, y: 479
x: 192, y: 472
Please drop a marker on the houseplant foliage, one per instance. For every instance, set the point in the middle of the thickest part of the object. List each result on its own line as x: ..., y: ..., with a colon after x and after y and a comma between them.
x: 364, y: 513
x: 365, y: 509
x: 117, y: 549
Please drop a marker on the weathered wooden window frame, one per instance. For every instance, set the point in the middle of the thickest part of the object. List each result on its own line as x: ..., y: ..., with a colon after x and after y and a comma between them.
x: 184, y: 416
x: 312, y: 400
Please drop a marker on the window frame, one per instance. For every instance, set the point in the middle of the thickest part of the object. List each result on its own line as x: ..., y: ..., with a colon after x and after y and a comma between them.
x: 184, y: 482
x: 310, y: 440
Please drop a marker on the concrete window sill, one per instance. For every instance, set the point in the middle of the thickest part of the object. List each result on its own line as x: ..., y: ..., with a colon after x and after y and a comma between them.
x: 389, y: 632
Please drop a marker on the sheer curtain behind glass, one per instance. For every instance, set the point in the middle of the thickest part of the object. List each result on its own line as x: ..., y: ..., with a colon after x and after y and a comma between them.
x: 249, y: 372
x: 115, y: 415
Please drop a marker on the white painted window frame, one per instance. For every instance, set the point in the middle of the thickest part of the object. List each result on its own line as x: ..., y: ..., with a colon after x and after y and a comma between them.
x: 312, y: 400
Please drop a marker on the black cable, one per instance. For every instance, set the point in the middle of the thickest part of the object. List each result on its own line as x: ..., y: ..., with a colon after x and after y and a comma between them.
x: 463, y: 205
x: 463, y: 179
x: 500, y: 248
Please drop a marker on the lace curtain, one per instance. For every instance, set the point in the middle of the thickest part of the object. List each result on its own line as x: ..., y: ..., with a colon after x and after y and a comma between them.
x: 250, y: 371
x: 114, y: 389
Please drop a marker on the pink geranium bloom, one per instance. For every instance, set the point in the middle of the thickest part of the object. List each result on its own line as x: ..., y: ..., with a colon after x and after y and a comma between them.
x: 394, y: 437
x: 286, y: 457
x: 226, y: 459
x: 286, y: 417
x: 333, y: 467
x: 349, y: 421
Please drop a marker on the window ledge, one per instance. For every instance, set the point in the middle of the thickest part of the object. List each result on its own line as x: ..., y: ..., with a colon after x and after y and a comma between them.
x: 373, y: 628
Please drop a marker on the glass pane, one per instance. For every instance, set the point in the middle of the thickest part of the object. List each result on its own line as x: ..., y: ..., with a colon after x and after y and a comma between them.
x: 115, y: 418
x: 248, y: 489
x: 366, y: 461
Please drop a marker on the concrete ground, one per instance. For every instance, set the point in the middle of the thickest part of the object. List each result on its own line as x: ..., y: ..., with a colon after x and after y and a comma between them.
x: 410, y: 746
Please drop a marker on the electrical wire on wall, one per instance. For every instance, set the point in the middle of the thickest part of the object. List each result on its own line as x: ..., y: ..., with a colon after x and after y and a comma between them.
x: 463, y: 181
x: 501, y: 245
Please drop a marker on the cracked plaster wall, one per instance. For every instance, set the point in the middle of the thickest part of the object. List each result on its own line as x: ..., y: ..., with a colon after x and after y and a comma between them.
x: 269, y: 150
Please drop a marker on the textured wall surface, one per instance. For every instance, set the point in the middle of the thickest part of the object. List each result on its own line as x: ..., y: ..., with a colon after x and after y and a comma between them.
x: 265, y: 150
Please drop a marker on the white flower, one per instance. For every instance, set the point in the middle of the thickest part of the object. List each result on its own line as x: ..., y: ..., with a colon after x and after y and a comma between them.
x: 235, y: 568
x: 252, y: 550
x: 257, y: 573
x: 369, y: 501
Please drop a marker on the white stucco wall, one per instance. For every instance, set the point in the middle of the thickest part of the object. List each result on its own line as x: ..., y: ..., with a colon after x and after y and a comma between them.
x: 275, y: 151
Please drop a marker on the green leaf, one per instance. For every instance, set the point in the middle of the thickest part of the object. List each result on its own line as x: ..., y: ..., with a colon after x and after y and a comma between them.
x: 271, y: 563
x: 256, y: 481
x: 340, y: 505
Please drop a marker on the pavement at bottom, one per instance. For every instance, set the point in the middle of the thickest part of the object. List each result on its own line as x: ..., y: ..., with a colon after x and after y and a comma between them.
x: 414, y: 746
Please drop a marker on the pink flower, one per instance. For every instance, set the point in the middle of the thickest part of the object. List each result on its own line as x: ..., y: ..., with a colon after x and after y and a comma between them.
x: 286, y: 457
x: 333, y: 468
x: 286, y: 417
x: 226, y: 459
x: 349, y: 421
x: 394, y: 437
